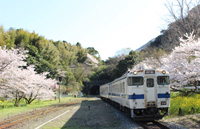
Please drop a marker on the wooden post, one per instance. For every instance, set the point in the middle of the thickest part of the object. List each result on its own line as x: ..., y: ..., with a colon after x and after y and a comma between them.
x: 180, y: 112
x: 193, y: 111
x: 60, y: 82
x: 59, y: 92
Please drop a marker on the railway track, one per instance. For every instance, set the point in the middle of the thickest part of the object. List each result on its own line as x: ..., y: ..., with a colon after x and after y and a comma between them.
x: 152, y: 125
x: 145, y: 124
x: 24, y: 117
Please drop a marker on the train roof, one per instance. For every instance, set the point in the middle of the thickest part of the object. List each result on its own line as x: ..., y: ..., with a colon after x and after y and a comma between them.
x: 149, y: 72
x: 140, y: 73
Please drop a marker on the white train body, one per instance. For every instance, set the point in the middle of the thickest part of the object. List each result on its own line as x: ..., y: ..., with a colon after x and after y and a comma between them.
x: 144, y: 94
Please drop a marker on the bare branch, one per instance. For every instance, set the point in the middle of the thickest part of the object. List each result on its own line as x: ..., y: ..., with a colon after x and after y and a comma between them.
x: 171, y: 10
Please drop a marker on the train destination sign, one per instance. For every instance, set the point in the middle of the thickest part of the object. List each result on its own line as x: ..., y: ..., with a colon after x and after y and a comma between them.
x: 149, y: 71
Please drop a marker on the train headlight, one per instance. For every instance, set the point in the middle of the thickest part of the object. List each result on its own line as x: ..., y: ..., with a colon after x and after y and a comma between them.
x: 135, y: 72
x: 164, y: 72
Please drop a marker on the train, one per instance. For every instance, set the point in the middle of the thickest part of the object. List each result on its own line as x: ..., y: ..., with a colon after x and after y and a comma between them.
x: 142, y: 94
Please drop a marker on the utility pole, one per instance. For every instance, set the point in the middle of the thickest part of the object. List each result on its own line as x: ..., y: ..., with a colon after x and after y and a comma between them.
x: 60, y: 81
x: 61, y: 75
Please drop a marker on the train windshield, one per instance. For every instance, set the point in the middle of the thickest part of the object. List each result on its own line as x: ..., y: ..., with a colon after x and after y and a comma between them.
x: 163, y: 80
x: 135, y: 81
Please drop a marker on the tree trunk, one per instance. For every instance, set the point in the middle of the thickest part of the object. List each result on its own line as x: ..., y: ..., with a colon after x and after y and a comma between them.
x: 16, y: 103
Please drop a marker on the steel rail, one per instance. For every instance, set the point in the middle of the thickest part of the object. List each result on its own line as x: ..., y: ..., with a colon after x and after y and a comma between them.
x: 152, y: 125
x: 19, y: 119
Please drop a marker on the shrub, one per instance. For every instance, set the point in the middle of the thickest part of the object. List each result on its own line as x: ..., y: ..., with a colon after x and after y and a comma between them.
x: 185, y: 103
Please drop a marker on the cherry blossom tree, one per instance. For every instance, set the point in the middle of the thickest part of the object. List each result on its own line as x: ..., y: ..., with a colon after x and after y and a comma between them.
x: 10, y: 63
x: 39, y: 87
x: 182, y: 63
x: 149, y: 63
x: 17, y: 82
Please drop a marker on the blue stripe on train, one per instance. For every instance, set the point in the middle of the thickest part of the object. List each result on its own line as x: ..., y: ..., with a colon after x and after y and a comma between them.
x: 164, y: 95
x: 139, y: 96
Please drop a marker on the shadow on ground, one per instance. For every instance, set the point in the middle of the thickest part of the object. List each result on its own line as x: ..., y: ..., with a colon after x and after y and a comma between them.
x: 93, y: 114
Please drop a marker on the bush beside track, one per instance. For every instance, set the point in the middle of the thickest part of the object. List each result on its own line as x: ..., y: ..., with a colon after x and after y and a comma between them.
x: 184, y: 101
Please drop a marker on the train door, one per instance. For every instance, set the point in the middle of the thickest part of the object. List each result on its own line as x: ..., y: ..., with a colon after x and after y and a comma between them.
x: 150, y: 92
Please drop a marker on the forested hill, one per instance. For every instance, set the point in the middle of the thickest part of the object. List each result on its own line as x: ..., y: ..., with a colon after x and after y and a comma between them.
x: 187, y: 22
x: 49, y: 56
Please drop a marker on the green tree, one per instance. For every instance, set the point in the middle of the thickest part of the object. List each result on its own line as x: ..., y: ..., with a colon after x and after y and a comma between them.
x: 78, y: 44
x: 49, y: 55
x: 5, y: 38
x: 82, y: 55
x: 22, y: 38
x: 93, y: 52
x: 127, y: 63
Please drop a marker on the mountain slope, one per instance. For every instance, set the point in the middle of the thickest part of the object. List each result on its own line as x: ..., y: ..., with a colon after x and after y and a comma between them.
x: 145, y: 45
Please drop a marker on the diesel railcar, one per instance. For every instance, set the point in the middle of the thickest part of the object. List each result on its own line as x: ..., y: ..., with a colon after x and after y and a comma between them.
x: 143, y: 94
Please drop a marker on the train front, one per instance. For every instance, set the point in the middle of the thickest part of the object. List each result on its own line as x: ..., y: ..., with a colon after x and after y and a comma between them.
x: 149, y: 94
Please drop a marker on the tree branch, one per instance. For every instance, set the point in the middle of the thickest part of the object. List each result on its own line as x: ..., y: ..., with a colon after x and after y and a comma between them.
x: 3, y: 67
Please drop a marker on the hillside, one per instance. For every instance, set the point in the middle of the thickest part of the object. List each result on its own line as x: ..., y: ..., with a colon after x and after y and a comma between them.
x: 145, y: 45
x: 51, y: 56
x: 169, y: 38
x: 162, y: 44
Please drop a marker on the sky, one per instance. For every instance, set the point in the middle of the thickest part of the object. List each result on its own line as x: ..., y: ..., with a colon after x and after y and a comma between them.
x: 107, y: 25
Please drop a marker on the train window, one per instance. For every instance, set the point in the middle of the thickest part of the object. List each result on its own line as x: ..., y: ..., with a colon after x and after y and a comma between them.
x: 135, y: 81
x: 163, y: 80
x: 150, y: 82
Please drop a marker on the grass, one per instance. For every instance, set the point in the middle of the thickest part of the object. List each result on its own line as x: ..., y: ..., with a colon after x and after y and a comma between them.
x: 8, y: 110
x: 185, y: 102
